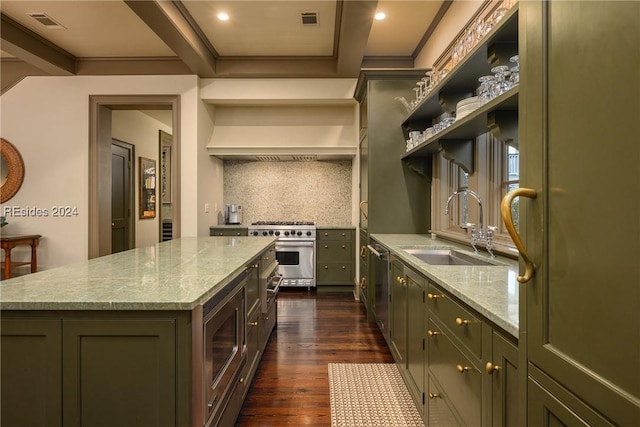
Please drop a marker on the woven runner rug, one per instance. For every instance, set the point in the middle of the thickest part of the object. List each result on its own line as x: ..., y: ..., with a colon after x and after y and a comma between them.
x: 370, y: 394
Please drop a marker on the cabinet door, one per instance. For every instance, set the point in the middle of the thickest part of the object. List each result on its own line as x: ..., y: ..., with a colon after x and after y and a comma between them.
x: 398, y: 327
x: 416, y: 331
x: 580, y: 151
x: 31, y: 359
x: 364, y: 181
x: 119, y: 372
x: 504, y: 382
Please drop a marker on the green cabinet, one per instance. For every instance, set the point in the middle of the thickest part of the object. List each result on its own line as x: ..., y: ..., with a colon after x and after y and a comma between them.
x: 335, y: 254
x: 398, y: 312
x: 119, y: 372
x: 30, y: 358
x: 363, y: 280
x: 416, y: 332
x: 394, y: 198
x: 228, y: 231
x: 579, y: 152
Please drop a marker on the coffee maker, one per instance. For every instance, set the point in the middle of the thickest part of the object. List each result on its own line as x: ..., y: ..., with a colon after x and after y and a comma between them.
x: 232, y: 214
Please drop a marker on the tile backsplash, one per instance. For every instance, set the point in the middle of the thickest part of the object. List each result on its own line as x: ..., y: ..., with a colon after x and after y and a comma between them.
x: 317, y: 191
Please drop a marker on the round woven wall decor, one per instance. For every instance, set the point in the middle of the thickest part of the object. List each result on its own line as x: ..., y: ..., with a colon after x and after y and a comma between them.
x: 15, y: 172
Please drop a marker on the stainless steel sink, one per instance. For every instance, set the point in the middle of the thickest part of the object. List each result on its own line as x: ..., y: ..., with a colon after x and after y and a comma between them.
x: 445, y: 257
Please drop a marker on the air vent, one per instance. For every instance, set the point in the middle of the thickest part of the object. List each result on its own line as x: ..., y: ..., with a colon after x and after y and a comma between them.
x: 309, y: 19
x: 294, y: 158
x: 46, y: 20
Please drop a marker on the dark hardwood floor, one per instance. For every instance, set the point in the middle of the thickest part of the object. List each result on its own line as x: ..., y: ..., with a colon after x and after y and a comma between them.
x: 291, y: 386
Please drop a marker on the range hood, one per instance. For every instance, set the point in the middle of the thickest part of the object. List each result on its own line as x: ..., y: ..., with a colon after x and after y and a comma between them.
x: 283, y: 154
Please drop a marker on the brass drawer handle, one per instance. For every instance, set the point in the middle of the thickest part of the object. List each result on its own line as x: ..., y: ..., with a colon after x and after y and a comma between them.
x: 344, y: 235
x: 326, y: 267
x: 491, y: 368
x: 326, y: 234
x: 241, y: 380
x: 221, y: 234
x: 434, y: 396
x: 326, y: 246
x: 432, y: 333
x: 363, y: 282
x: 253, y: 323
x: 505, y: 210
x: 255, y: 266
x: 401, y: 280
x: 344, y: 247
x: 362, y: 203
x: 461, y: 322
x: 344, y: 267
x: 434, y: 296
x: 463, y: 369
x: 363, y: 251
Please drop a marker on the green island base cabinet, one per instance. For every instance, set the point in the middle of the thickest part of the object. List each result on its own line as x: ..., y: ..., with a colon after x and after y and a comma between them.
x: 335, y: 256
x: 228, y: 230
x: 137, y: 367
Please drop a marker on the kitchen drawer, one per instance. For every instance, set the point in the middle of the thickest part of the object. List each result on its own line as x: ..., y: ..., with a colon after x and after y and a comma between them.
x: 334, y: 252
x: 464, y: 325
x: 439, y: 407
x: 228, y: 231
x: 335, y: 273
x: 461, y: 379
x: 268, y: 257
x: 334, y: 234
x: 267, y: 323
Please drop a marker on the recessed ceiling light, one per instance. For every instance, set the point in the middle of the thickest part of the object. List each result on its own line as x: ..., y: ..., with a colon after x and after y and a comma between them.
x: 380, y: 16
x: 223, y: 16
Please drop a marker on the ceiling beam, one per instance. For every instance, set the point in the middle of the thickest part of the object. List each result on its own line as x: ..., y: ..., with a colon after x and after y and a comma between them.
x: 35, y: 50
x: 355, y: 26
x: 167, y: 20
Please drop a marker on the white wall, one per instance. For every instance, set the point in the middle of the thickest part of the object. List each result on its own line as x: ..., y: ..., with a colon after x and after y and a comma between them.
x: 458, y: 14
x: 142, y: 131
x: 210, y: 170
x: 47, y: 119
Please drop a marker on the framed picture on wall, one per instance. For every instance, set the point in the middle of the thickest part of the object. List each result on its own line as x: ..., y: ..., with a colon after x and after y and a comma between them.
x: 147, y: 168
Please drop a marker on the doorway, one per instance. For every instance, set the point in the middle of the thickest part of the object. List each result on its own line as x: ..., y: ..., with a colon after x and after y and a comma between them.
x: 122, y: 191
x: 100, y: 162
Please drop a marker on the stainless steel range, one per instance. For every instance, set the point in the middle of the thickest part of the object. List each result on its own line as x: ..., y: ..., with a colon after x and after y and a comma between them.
x: 295, y: 249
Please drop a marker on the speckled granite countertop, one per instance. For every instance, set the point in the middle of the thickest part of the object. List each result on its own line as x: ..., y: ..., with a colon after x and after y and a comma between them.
x: 490, y: 290
x: 174, y: 275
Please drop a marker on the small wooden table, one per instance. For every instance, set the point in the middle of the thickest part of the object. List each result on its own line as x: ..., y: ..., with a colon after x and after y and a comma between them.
x: 10, y: 241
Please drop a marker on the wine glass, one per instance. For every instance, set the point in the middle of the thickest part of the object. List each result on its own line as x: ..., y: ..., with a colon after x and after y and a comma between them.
x: 502, y: 84
x: 486, y: 82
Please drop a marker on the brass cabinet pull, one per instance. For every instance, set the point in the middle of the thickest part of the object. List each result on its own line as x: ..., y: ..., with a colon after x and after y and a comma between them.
x: 363, y: 282
x: 343, y: 235
x: 363, y: 251
x: 326, y: 267
x: 463, y: 369
x: 343, y: 246
x: 362, y: 203
x: 434, y: 395
x: 401, y: 280
x: 326, y: 234
x: 434, y: 296
x: 461, y: 322
x: 432, y: 333
x: 237, y: 234
x: 505, y: 210
x: 344, y: 267
x: 326, y: 246
x: 491, y: 368
x: 255, y: 266
x: 253, y: 323
x: 221, y: 234
x: 241, y: 380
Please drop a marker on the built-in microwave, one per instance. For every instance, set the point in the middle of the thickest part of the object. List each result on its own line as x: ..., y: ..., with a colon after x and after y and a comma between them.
x: 224, y: 351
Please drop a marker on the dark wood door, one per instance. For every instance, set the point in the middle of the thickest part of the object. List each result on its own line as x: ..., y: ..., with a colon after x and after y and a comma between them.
x: 580, y: 89
x: 121, y: 191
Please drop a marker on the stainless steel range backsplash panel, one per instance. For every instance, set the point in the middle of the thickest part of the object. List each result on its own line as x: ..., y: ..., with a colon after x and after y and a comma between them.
x: 317, y: 191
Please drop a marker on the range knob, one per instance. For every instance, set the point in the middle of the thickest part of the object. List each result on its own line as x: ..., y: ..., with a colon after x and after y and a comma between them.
x: 293, y: 232
x: 255, y: 233
x: 308, y: 233
x: 286, y: 233
x: 277, y: 233
x: 299, y: 233
x: 271, y: 232
x: 264, y: 233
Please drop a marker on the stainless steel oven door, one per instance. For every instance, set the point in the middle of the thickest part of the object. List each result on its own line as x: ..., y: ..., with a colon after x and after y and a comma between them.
x: 297, y: 261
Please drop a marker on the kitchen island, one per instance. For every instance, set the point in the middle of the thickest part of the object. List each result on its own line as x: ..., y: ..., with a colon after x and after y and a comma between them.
x: 118, y: 340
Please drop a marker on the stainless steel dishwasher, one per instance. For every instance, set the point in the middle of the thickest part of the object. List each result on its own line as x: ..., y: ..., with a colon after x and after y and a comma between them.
x: 380, y: 269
